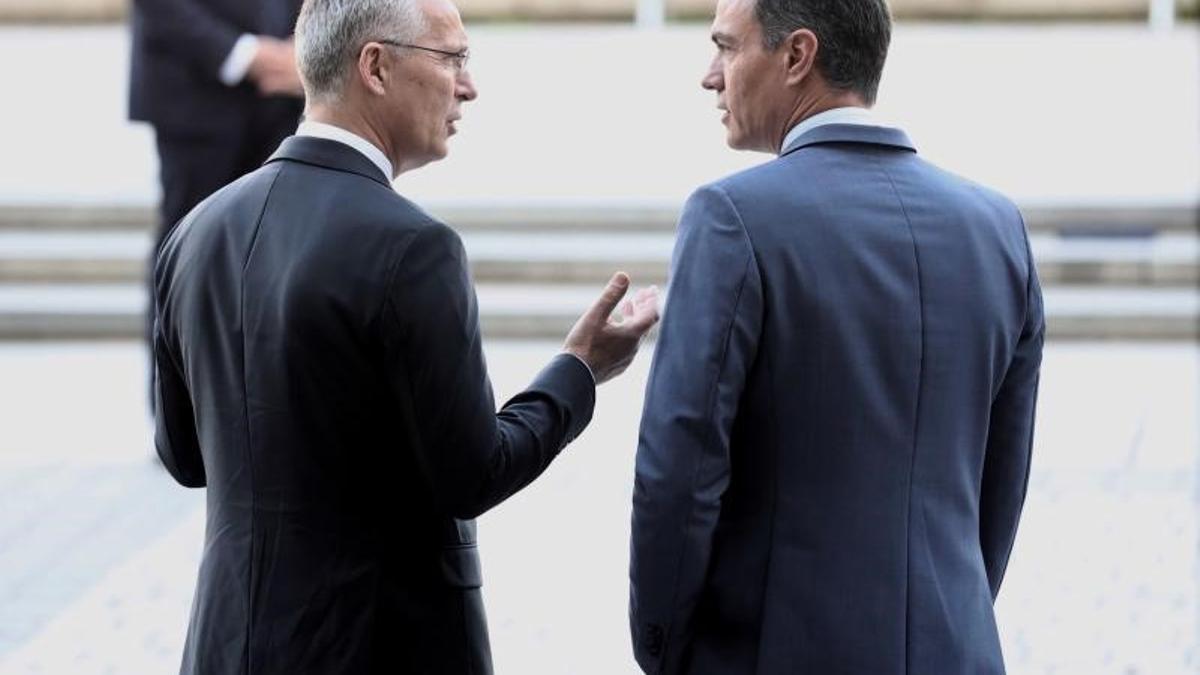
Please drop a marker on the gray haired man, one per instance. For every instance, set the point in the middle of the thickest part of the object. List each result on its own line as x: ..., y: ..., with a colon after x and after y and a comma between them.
x: 320, y: 371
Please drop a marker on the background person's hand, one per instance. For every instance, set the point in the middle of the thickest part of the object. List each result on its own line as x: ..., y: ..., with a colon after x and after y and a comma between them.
x: 273, y: 69
x: 606, y: 345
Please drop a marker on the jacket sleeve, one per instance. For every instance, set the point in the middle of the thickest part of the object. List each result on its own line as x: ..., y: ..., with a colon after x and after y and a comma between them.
x: 706, y: 346
x: 175, y: 437
x: 1010, y: 440
x: 188, y: 31
x: 471, y: 456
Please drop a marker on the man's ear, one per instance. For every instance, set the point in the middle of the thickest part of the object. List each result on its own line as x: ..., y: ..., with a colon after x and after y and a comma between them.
x: 800, y: 48
x: 370, y: 67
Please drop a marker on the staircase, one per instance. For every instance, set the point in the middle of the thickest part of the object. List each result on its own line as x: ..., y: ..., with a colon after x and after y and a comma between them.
x: 1109, y: 274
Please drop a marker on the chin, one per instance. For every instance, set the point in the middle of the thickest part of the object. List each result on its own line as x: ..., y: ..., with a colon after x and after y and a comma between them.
x: 746, y: 144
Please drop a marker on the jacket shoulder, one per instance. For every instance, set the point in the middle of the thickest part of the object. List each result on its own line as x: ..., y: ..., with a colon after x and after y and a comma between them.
x: 359, y: 200
x: 975, y: 196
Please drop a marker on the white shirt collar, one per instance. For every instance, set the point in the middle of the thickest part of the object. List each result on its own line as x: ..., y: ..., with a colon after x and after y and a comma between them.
x: 848, y: 115
x: 335, y: 133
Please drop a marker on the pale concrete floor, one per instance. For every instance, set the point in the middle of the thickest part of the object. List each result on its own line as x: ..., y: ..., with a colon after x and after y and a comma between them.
x: 99, y: 547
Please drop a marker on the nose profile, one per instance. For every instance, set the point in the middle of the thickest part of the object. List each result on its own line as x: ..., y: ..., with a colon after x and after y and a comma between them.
x: 713, y: 80
x: 465, y: 88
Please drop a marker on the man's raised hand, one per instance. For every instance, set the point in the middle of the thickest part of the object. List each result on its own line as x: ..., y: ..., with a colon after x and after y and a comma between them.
x: 608, y: 345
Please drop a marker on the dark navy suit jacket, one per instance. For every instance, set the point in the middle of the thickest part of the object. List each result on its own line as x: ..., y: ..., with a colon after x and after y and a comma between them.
x: 178, y: 49
x: 835, y: 445
x: 321, y: 372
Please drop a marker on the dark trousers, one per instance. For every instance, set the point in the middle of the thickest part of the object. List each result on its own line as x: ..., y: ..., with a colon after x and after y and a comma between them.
x: 193, y: 166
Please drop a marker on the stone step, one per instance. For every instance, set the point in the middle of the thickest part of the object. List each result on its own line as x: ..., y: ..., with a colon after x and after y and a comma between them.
x: 1168, y: 259
x: 523, y: 311
x: 607, y: 217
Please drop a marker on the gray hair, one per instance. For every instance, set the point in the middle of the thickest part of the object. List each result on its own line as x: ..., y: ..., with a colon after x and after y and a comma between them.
x: 330, y: 33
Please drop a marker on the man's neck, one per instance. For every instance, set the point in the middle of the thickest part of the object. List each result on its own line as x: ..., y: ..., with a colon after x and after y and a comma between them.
x: 846, y: 115
x: 341, y: 130
x: 355, y: 124
x: 816, y: 104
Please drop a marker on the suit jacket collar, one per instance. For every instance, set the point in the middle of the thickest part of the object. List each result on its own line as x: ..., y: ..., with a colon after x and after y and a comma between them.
x: 329, y: 154
x: 852, y: 133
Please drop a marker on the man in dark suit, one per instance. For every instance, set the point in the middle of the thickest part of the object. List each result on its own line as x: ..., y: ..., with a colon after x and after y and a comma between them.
x: 217, y: 80
x: 320, y: 371
x: 837, y: 428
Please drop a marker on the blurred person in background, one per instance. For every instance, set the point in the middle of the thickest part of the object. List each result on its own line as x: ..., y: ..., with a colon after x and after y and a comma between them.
x: 321, y: 372
x: 836, y: 437
x: 217, y: 80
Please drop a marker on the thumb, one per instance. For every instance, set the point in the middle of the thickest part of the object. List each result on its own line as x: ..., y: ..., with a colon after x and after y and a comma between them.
x: 609, y: 297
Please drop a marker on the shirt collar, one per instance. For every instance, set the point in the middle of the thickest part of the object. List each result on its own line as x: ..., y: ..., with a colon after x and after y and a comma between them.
x: 847, y: 115
x: 335, y: 133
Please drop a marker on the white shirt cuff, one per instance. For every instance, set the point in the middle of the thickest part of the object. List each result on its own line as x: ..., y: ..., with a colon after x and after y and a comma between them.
x: 237, y: 64
x: 585, y: 365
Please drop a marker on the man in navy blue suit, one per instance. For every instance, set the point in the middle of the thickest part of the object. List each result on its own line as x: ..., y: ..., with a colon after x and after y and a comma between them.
x: 835, y: 445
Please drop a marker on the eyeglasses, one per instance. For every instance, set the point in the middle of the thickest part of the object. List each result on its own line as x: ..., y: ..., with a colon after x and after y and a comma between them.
x: 456, y: 59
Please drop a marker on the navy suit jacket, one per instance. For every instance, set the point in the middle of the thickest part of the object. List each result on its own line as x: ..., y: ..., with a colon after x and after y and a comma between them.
x: 321, y: 372
x: 175, y: 62
x: 835, y: 444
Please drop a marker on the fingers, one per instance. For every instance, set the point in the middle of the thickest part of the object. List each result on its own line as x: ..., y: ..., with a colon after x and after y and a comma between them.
x: 609, y: 345
x: 648, y: 297
x: 273, y: 67
x: 600, y: 310
x: 645, y: 311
